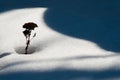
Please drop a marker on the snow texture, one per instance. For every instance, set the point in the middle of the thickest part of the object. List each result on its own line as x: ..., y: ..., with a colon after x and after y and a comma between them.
x: 53, y: 56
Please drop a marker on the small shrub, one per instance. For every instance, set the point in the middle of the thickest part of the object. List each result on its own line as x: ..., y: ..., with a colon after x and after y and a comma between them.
x: 27, y: 33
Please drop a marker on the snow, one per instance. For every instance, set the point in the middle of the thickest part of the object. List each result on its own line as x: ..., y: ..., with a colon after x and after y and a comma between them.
x: 52, y: 53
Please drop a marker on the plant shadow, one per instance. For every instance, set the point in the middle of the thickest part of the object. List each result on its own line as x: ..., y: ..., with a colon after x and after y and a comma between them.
x: 21, y: 49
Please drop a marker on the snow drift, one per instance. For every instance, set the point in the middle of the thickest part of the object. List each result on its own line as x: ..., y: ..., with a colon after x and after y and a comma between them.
x: 52, y: 53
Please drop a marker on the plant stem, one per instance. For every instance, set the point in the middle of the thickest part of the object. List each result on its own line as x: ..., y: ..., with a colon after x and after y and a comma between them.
x: 27, y: 45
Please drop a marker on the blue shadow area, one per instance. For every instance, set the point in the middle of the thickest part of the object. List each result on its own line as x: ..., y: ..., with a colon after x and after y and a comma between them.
x: 61, y: 74
x: 93, y: 20
x: 6, y: 5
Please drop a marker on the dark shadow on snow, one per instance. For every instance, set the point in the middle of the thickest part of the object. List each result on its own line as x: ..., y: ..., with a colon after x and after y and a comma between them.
x: 63, y: 74
x: 21, y: 49
x: 96, y: 21
x: 4, y: 54
x: 6, y: 5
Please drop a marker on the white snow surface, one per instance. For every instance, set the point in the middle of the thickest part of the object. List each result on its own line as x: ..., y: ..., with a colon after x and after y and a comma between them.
x: 50, y: 50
